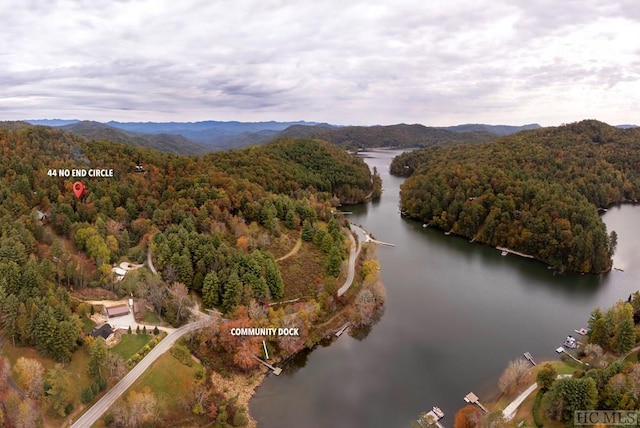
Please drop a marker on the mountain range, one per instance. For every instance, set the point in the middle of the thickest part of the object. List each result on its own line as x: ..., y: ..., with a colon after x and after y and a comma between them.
x: 194, y: 138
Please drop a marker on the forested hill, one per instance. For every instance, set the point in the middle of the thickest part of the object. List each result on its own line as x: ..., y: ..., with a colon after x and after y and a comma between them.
x: 223, y: 212
x: 401, y: 136
x: 537, y: 192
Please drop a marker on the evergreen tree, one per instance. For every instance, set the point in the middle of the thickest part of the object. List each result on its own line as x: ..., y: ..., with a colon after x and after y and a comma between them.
x: 98, y: 354
x: 333, y: 262
x: 274, y: 279
x: 210, y: 290
x: 307, y: 231
x: 232, y: 292
x: 58, y: 389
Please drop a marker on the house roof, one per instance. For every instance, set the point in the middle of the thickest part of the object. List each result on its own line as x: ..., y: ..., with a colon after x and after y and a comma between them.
x: 117, y: 310
x: 119, y: 271
x: 103, y: 331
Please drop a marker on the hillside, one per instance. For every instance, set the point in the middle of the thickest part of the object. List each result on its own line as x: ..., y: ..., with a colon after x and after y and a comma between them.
x: 225, y: 211
x: 400, y: 136
x: 537, y: 192
x: 169, y: 143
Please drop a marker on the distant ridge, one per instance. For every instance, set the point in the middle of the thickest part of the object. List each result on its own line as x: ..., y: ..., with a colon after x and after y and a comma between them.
x: 52, y: 122
x: 401, y: 135
x: 494, y: 129
x: 168, y: 143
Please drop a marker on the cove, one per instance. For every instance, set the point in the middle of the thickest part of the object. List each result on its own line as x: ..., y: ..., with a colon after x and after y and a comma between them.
x: 456, y: 314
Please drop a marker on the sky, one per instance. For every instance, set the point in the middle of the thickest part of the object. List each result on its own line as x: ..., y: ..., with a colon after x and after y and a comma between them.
x: 355, y: 62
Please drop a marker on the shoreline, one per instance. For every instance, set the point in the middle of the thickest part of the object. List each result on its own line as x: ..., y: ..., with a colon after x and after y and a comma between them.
x: 323, y: 331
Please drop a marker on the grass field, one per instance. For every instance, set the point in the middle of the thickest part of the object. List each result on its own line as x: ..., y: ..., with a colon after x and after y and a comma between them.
x: 170, y: 390
x: 300, y: 271
x: 130, y: 344
x: 151, y: 318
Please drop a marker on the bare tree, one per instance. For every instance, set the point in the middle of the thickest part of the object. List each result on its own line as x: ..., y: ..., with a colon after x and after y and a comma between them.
x: 181, y: 299
x: 513, y: 374
x: 115, y: 365
x: 595, y: 354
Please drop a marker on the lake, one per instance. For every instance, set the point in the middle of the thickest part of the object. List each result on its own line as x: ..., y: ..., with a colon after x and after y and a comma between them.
x: 456, y: 314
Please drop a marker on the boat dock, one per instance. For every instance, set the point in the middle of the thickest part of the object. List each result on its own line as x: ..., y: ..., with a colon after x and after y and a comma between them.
x: 343, y: 328
x: 528, y: 356
x: 276, y: 370
x: 473, y: 399
x: 517, y: 253
x: 560, y: 350
x: 430, y: 418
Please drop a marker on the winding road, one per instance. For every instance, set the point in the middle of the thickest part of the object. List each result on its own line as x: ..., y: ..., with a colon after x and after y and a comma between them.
x: 102, y: 405
x: 353, y: 256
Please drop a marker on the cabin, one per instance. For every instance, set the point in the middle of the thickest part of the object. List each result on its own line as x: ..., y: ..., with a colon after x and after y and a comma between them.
x: 116, y: 310
x: 105, y: 331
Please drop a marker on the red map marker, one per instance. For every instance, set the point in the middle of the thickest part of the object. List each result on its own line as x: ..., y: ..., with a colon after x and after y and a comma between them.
x: 78, y: 188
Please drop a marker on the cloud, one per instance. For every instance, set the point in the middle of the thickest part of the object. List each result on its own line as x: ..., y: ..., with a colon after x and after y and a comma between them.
x: 360, y: 62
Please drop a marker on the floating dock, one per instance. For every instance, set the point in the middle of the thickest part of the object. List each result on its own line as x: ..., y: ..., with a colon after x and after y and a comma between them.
x: 343, y: 328
x: 528, y: 356
x: 473, y: 399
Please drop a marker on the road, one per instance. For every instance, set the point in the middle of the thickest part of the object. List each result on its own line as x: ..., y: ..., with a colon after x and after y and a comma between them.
x: 353, y: 256
x: 101, y: 406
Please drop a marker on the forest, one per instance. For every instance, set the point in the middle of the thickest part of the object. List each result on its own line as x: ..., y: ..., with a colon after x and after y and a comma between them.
x: 538, y: 192
x: 213, y: 226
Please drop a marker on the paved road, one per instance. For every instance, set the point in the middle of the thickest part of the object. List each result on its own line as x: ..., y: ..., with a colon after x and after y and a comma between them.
x: 353, y: 256
x: 510, y: 411
x: 102, y: 405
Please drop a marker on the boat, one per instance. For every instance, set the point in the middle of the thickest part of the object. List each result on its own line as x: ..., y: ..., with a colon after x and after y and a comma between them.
x: 504, y: 253
x: 582, y: 331
x: 439, y: 413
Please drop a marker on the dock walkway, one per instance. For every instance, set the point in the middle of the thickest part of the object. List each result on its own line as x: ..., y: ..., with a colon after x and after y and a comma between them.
x: 276, y: 370
x: 343, y: 328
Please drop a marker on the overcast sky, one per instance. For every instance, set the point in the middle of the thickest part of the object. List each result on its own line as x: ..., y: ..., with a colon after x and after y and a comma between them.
x: 339, y: 61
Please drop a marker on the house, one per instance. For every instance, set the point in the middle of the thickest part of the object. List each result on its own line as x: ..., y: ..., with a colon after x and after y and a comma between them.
x: 116, y: 310
x: 43, y: 217
x: 119, y: 273
x: 104, y: 331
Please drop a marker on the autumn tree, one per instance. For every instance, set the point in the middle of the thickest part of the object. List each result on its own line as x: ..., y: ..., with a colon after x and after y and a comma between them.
x: 30, y: 374
x: 467, y: 417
